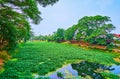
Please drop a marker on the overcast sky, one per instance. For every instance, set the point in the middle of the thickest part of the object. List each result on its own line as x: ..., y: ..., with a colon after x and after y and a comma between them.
x: 66, y: 13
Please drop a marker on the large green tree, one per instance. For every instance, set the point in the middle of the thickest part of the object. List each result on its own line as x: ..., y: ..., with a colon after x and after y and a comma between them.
x: 59, y: 35
x: 14, y: 17
x: 95, y: 29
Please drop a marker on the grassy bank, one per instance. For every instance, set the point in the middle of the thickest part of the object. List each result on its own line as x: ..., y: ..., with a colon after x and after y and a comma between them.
x: 44, y: 57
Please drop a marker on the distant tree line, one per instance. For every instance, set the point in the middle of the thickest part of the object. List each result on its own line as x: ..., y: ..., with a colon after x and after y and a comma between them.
x: 92, y: 29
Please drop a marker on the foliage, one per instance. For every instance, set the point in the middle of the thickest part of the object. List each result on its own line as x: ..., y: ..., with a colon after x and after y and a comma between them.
x: 46, y: 2
x: 78, y: 37
x: 59, y: 35
x: 69, y: 33
x: 43, y: 38
x: 13, y: 29
x: 116, y: 40
x: 95, y: 29
x: 50, y: 38
x: 14, y: 16
x: 4, y: 55
x: 40, y: 37
x: 44, y: 57
x: 109, y: 75
x: 110, y: 47
x: 59, y: 74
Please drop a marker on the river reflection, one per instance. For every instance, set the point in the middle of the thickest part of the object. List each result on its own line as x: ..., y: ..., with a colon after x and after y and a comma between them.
x: 84, y: 69
x: 88, y: 68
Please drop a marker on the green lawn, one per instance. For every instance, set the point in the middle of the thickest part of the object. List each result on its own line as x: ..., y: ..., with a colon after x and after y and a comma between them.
x: 44, y: 57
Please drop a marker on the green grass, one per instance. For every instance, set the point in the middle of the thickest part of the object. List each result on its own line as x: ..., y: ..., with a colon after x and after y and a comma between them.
x: 110, y: 75
x: 44, y: 57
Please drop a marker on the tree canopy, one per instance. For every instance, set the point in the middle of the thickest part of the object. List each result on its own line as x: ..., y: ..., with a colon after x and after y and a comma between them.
x: 14, y: 17
x: 93, y: 29
x: 59, y: 35
x: 70, y: 32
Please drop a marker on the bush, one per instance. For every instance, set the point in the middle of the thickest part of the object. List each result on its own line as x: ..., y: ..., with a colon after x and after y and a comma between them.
x: 59, y: 74
x: 101, y: 41
x: 110, y: 47
x: 4, y: 55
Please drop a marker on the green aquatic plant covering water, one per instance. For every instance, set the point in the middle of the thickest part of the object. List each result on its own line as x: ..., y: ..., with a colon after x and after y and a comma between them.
x: 45, y: 57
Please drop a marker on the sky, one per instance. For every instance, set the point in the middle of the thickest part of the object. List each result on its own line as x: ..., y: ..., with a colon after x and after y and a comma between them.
x: 66, y: 13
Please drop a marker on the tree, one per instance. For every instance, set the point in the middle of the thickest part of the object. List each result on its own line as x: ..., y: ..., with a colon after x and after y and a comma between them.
x: 70, y: 32
x: 95, y: 29
x: 14, y: 16
x: 59, y: 35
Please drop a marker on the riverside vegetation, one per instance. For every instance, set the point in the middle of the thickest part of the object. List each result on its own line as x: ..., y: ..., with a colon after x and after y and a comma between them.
x: 44, y: 57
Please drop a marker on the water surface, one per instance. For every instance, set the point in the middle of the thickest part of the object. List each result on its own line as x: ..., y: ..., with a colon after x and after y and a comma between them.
x: 84, y: 69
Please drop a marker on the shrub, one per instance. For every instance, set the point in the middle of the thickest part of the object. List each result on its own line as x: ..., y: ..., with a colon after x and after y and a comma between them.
x: 4, y: 55
x: 59, y: 74
x: 110, y: 47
